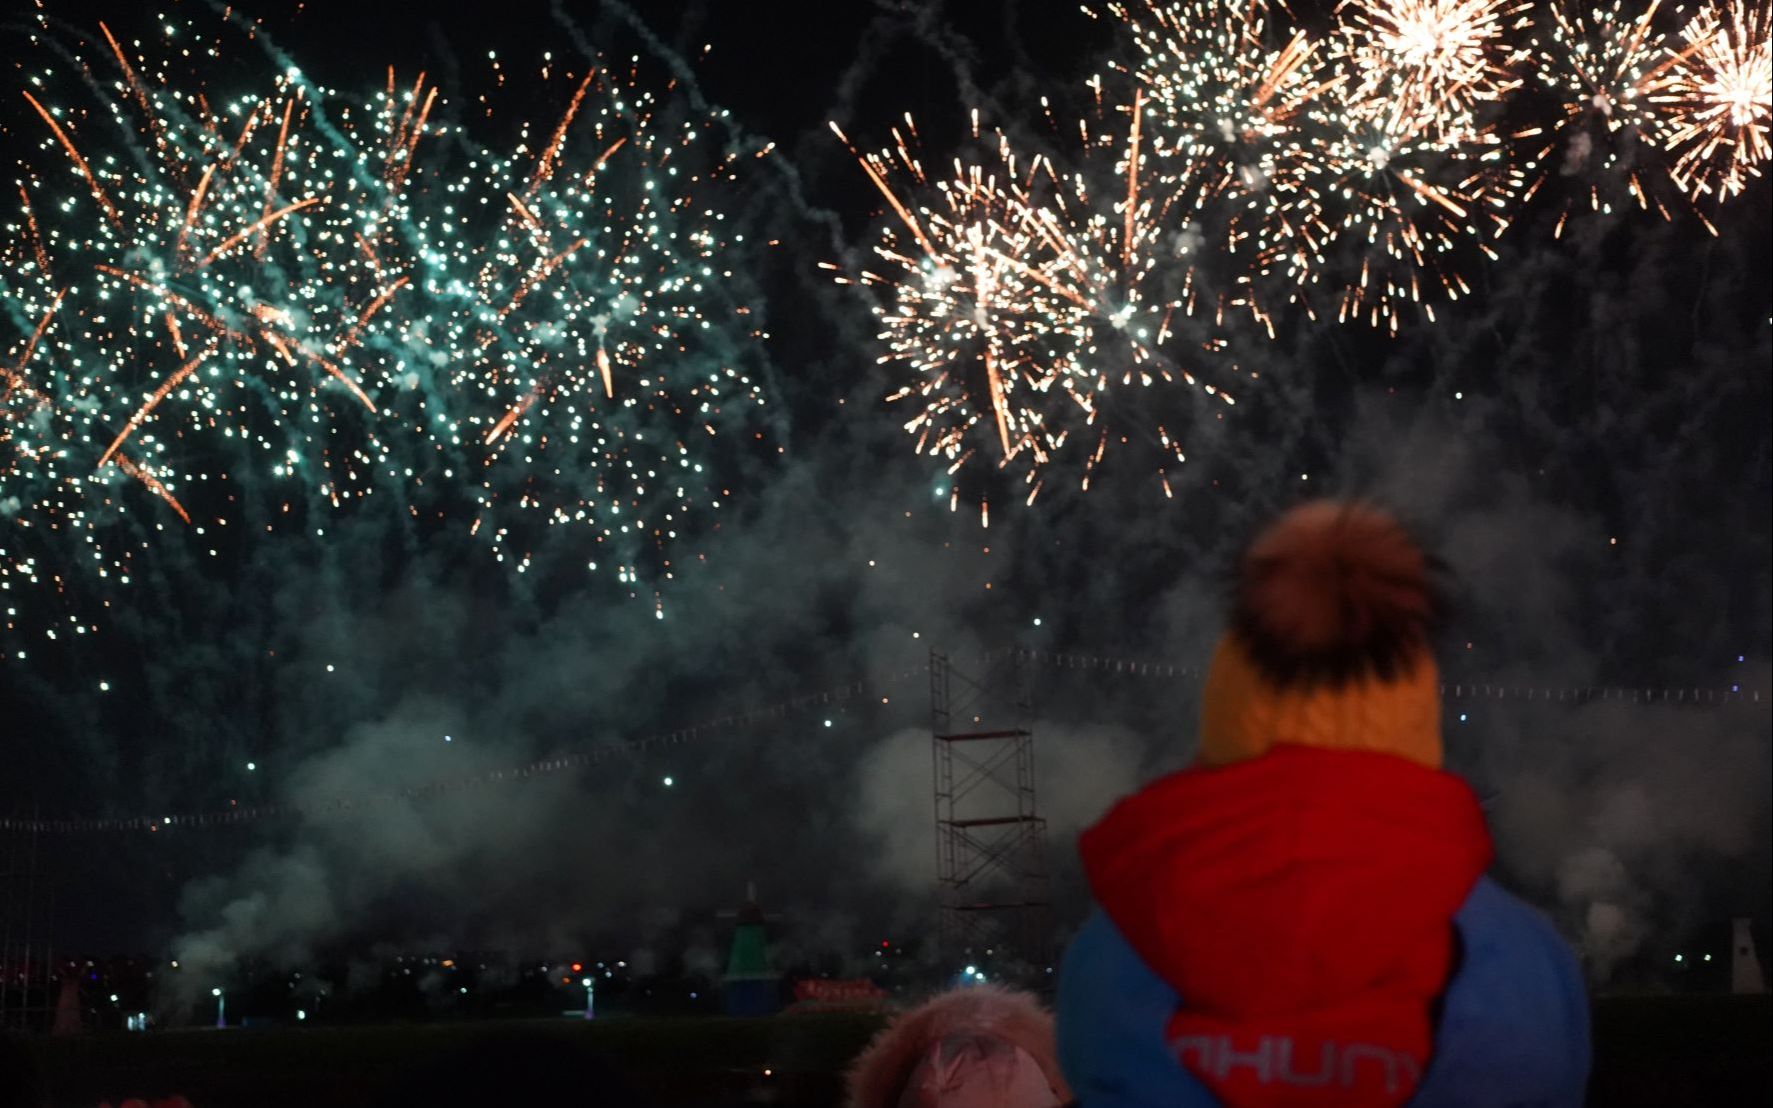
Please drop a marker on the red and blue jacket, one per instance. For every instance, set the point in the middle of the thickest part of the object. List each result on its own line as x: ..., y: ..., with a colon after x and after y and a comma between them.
x: 1311, y: 927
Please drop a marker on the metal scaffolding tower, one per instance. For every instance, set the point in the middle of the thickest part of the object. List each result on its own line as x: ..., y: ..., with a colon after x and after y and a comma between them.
x: 991, y: 877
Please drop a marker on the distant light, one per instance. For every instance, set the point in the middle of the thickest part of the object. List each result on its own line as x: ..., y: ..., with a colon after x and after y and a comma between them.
x: 1707, y: 958
x: 767, y: 1071
x: 449, y: 738
x: 971, y: 970
x: 585, y: 981
x: 215, y: 992
x: 250, y: 766
x: 1677, y: 957
x: 669, y: 781
x: 104, y: 686
x: 175, y: 963
x: 301, y: 1013
x: 828, y: 723
x: 114, y: 995
x: 1461, y: 717
x: 1037, y: 621
x: 692, y: 996
x: 329, y: 667
x: 1458, y: 396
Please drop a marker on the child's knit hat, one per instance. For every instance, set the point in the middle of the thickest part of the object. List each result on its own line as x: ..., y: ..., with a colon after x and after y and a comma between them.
x: 1328, y: 644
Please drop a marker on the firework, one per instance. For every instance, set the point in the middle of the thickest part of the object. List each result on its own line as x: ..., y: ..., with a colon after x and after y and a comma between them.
x: 1720, y: 95
x: 1394, y: 208
x: 585, y: 329
x: 1020, y: 304
x: 974, y: 312
x: 214, y: 277
x: 291, y: 296
x: 1428, y: 64
x: 1225, y: 91
x: 1607, y: 69
x: 1359, y: 161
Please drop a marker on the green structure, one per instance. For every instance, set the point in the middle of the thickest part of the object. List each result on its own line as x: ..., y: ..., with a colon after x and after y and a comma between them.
x: 750, y: 987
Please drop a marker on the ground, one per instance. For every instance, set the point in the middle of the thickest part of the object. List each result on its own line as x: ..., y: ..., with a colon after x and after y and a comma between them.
x: 1648, y: 1051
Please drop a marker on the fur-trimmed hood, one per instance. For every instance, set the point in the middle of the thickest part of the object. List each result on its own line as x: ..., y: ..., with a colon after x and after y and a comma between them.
x: 977, y: 1047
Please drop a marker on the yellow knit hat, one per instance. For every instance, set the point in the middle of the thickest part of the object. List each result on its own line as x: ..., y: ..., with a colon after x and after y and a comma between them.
x: 1329, y: 642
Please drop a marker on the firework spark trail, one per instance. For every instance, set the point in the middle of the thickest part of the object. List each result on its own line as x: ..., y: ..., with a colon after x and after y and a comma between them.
x: 373, y: 307
x: 173, y: 381
x: 545, y: 164
x: 15, y: 376
x: 98, y: 190
x: 1132, y: 204
x: 1719, y: 90
x: 153, y: 485
x: 36, y: 235
x: 256, y: 227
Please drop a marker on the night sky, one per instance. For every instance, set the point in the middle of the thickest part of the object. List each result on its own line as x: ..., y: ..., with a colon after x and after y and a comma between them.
x: 1583, y: 440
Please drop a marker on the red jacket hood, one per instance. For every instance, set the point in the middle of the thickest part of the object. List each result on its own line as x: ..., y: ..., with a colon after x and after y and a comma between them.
x: 1304, y: 881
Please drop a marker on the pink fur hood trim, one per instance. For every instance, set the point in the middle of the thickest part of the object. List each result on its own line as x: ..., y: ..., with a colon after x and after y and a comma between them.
x: 982, y: 1046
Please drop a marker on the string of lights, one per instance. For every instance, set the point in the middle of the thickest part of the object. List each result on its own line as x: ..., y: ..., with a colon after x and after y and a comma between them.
x: 236, y: 815
x: 1467, y: 690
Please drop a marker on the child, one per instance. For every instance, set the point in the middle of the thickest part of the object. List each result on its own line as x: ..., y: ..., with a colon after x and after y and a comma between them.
x: 980, y: 1047
x: 1301, y: 918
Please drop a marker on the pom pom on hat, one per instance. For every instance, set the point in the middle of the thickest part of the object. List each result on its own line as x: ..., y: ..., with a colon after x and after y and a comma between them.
x: 1329, y: 642
x: 1332, y: 591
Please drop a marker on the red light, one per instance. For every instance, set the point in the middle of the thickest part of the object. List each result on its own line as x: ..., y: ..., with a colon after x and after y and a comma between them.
x: 577, y: 967
x: 884, y: 943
